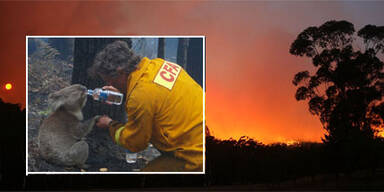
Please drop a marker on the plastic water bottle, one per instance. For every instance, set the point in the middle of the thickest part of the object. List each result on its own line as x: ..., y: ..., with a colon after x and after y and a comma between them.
x: 130, y: 157
x: 106, y: 96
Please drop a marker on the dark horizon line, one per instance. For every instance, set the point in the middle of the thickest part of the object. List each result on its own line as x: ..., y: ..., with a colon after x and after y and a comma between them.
x: 9, y: 103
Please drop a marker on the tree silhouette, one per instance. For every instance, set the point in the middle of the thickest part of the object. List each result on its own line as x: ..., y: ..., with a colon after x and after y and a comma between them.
x: 346, y: 90
x: 12, y: 146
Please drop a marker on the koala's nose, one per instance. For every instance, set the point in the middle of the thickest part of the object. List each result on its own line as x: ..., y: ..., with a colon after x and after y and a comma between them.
x: 83, y: 88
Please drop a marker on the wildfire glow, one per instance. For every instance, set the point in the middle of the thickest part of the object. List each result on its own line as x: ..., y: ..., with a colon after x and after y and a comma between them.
x: 8, y: 86
x: 380, y: 134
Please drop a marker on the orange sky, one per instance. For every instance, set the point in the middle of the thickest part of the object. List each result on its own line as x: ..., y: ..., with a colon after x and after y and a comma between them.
x: 249, y: 70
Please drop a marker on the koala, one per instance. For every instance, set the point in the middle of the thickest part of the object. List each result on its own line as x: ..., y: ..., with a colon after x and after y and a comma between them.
x: 61, y: 134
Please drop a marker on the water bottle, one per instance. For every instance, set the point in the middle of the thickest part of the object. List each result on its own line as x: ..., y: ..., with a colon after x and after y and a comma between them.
x: 130, y: 157
x: 106, y: 96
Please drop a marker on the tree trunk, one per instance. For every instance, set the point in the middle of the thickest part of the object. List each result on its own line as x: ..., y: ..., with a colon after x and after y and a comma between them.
x: 195, y: 60
x: 85, y: 51
x: 182, y: 51
x: 161, y: 48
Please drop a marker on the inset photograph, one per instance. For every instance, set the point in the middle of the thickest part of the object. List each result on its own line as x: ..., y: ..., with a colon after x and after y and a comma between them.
x: 115, y: 105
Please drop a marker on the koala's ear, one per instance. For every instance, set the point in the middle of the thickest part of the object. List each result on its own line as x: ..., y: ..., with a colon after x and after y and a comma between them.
x: 54, y: 101
x: 53, y: 96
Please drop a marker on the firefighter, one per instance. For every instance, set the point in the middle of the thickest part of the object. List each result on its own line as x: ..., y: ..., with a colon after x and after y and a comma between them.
x: 164, y: 106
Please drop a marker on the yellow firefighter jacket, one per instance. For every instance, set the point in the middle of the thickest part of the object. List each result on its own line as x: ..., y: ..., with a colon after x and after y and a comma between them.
x: 164, y: 106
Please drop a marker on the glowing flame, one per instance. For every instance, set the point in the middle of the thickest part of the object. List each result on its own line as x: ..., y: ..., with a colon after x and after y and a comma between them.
x: 380, y: 134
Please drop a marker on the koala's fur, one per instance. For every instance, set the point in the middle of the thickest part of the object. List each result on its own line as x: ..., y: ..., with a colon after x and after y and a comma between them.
x: 61, y: 133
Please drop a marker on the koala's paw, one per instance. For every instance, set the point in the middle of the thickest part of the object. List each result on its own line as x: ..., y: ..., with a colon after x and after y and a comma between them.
x: 96, y: 117
x: 94, y: 120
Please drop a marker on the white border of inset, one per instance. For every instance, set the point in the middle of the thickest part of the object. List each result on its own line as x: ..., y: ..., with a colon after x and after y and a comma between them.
x: 103, y: 173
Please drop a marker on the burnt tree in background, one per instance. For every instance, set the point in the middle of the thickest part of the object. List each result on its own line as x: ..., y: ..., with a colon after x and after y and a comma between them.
x: 85, y: 51
x: 195, y: 60
x: 182, y: 51
x: 161, y: 48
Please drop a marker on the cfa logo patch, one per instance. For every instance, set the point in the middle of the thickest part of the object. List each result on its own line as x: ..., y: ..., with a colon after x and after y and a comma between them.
x: 167, y: 74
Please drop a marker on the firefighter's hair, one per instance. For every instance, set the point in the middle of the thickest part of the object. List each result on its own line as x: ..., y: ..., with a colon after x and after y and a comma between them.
x: 114, y: 56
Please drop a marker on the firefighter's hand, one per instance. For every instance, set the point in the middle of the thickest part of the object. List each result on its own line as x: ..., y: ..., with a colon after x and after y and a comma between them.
x: 103, y: 121
x: 111, y: 88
